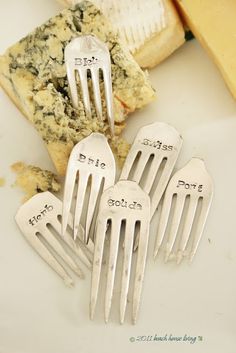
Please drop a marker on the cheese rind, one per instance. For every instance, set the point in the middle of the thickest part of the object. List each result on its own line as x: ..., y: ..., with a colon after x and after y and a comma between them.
x: 213, y: 24
x: 33, y: 74
x: 151, y: 30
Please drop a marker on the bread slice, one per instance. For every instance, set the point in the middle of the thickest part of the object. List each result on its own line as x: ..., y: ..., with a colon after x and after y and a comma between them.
x: 32, y: 72
x: 151, y: 30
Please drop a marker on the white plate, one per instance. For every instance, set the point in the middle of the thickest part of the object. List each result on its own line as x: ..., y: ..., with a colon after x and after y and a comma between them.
x: 37, y: 313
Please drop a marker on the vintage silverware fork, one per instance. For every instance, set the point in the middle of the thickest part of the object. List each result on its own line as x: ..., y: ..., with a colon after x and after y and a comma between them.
x: 88, y: 54
x: 193, y: 189
x: 123, y: 205
x: 39, y: 220
x: 91, y: 163
x: 154, y: 150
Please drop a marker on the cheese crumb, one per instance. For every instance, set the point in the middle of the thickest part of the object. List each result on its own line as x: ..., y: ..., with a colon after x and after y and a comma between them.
x: 32, y: 179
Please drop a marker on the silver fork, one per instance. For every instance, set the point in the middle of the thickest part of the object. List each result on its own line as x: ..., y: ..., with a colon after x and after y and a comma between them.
x: 89, y: 54
x: 92, y: 163
x: 154, y: 144
x: 193, y: 182
x: 34, y: 218
x: 123, y: 203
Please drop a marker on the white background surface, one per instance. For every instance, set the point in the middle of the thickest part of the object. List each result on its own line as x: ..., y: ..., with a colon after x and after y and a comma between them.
x: 37, y: 312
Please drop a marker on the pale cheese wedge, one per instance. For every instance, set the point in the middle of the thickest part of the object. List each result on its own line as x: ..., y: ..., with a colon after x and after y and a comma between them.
x: 213, y: 22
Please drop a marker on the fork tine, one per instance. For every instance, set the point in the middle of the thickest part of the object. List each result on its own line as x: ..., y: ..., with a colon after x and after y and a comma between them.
x: 187, y: 228
x: 109, y: 97
x: 72, y: 244
x: 165, y: 211
x: 85, y: 90
x: 128, y: 164
x: 128, y: 246
x: 101, y: 229
x: 72, y: 84
x: 93, y: 197
x: 96, y: 91
x: 152, y: 173
x: 57, y: 247
x: 140, y: 268
x: 161, y: 186
x: 206, y: 203
x: 140, y: 167
x: 113, y: 252
x: 82, y: 186
x: 175, y: 222
x: 47, y: 256
x: 68, y: 194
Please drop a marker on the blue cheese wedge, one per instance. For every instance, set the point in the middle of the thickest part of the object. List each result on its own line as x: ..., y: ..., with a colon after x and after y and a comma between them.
x: 151, y: 30
x: 33, y: 74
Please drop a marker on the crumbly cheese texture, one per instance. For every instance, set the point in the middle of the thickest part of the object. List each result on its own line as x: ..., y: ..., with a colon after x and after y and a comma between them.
x: 213, y: 24
x: 151, y: 30
x: 33, y: 74
x: 32, y: 179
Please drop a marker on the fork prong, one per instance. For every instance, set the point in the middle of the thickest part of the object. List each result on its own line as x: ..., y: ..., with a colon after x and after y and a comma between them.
x: 152, y: 173
x: 82, y: 186
x: 47, y: 256
x: 128, y: 246
x: 85, y: 90
x: 72, y: 244
x: 96, y: 91
x: 140, y: 167
x: 111, y: 269
x: 157, y: 195
x: 187, y: 228
x: 94, y: 193
x: 57, y: 247
x: 140, y: 268
x: 72, y: 85
x: 132, y: 155
x: 200, y: 226
x: 165, y: 211
x: 68, y: 194
x: 101, y: 229
x: 175, y: 222
x: 109, y: 97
